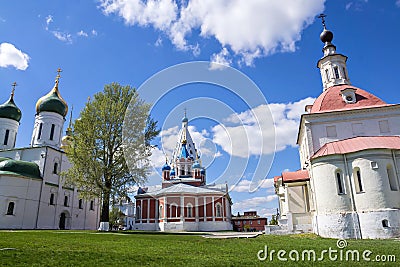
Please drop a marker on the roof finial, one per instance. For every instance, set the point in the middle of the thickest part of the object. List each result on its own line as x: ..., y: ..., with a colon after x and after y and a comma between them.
x: 185, y: 111
x: 322, y: 17
x: 58, y: 75
x: 13, y: 89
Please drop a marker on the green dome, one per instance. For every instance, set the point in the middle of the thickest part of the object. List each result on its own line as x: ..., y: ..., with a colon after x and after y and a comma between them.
x: 19, y: 167
x: 52, y: 102
x: 9, y: 110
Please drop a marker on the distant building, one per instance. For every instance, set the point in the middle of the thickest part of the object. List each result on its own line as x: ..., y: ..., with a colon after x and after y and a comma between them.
x: 32, y: 192
x: 185, y: 202
x: 349, y: 144
x: 249, y: 222
x: 127, y: 207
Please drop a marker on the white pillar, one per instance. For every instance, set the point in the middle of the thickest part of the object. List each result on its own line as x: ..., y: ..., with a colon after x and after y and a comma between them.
x: 182, y: 208
x: 213, y: 209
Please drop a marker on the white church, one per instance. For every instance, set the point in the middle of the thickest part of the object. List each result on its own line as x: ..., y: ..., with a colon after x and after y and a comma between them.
x: 32, y: 192
x: 349, y: 144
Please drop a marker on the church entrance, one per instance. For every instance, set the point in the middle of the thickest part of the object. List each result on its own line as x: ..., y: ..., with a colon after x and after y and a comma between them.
x: 62, y: 221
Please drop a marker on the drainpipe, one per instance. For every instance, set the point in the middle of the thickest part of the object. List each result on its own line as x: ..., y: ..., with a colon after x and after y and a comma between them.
x: 396, y: 167
x: 353, y: 204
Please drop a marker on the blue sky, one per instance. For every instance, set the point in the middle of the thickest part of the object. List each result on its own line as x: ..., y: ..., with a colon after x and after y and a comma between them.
x: 273, y: 43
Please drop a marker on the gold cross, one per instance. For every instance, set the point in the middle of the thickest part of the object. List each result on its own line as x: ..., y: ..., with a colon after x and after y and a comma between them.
x: 58, y: 74
x: 13, y: 88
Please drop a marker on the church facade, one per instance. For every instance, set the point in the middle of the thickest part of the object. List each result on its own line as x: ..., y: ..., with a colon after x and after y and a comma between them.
x: 32, y: 192
x: 185, y: 202
x: 349, y: 144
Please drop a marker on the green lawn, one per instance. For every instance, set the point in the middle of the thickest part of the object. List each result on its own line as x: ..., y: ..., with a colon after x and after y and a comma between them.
x: 89, y: 248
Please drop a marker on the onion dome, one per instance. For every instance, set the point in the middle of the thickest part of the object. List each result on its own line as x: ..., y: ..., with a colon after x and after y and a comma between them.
x: 9, y: 110
x: 141, y: 191
x: 196, y: 165
x: 52, y: 102
x: 184, y: 119
x: 326, y: 36
x: 172, y: 172
x: 203, y: 171
x: 166, y: 167
x: 19, y: 167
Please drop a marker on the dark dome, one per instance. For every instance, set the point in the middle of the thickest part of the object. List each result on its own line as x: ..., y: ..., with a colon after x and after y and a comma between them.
x: 166, y: 167
x: 19, y: 167
x: 9, y: 110
x: 52, y: 102
x: 326, y: 36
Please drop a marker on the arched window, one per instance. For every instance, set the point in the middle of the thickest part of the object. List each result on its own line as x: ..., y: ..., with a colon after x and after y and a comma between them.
x: 66, y: 201
x: 40, y: 130
x: 160, y: 212
x: 391, y: 177
x: 218, y: 209
x: 357, y: 180
x: 6, y: 137
x: 91, y: 205
x: 55, y: 168
x: 80, y: 203
x: 336, y: 71
x: 10, y: 208
x: 385, y: 223
x: 339, y: 181
x: 174, y: 210
x: 52, y: 132
x: 51, y: 199
x: 190, y: 210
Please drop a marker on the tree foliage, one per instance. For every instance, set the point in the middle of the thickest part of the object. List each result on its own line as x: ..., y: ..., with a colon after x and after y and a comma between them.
x: 111, y: 144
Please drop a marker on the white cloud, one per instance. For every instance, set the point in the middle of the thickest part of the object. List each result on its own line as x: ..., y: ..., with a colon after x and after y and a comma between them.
x: 158, y: 42
x: 63, y: 36
x: 244, y: 185
x: 94, y: 32
x: 12, y: 56
x: 250, y: 29
x: 82, y: 33
x: 220, y: 60
x: 49, y: 19
x: 251, y: 132
x: 254, y: 203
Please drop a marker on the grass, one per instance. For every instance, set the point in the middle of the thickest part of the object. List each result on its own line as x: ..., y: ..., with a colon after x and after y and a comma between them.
x: 90, y: 248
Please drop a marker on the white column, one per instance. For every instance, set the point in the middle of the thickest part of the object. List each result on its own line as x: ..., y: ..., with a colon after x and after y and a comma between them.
x: 148, y: 210
x: 196, y: 202
x: 182, y: 208
x: 141, y: 211
x: 205, y: 208
x: 213, y: 209
x: 165, y: 208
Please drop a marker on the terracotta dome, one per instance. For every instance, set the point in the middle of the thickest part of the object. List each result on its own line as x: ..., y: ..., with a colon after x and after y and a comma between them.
x: 331, y: 100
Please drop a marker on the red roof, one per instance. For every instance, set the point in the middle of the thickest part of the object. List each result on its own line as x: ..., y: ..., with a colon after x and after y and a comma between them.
x: 300, y: 175
x: 331, y: 100
x: 357, y: 144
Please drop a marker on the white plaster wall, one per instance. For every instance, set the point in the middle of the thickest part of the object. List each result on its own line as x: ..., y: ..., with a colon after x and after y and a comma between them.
x: 12, y: 126
x: 371, y: 224
x: 338, y: 225
x: 24, y: 192
x: 47, y: 119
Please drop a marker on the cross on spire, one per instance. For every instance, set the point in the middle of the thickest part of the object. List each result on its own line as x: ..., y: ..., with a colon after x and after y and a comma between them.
x: 322, y: 17
x: 58, y: 75
x: 70, y: 118
x: 185, y: 111
x: 13, y: 89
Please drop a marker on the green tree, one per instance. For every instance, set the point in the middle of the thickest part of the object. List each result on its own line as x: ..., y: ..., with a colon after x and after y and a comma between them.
x: 110, y: 148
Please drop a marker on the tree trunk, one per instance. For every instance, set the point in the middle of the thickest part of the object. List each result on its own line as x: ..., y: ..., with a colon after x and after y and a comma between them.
x: 105, y: 209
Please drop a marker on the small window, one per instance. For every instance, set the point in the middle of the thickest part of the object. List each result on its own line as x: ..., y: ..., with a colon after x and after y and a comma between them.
x: 182, y: 172
x: 66, y: 201
x: 344, y: 73
x: 331, y: 131
x: 328, y: 77
x: 55, y: 168
x: 6, y: 137
x: 138, y: 213
x: 357, y: 180
x: 336, y: 70
x: 160, y: 212
x: 190, y: 210
x: 51, y: 199
x: 10, y: 208
x: 80, y: 203
x: 40, y: 130
x: 52, y: 132
x: 385, y: 223
x: 218, y: 212
x: 91, y: 205
x: 259, y: 222
x: 339, y: 181
x: 251, y: 222
x: 392, y: 178
x: 374, y: 165
x: 384, y: 126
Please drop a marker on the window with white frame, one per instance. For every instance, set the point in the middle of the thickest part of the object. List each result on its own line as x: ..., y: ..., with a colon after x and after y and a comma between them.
x: 218, y: 209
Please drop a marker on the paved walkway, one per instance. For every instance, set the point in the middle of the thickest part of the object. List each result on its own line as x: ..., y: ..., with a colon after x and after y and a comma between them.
x: 224, y: 235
